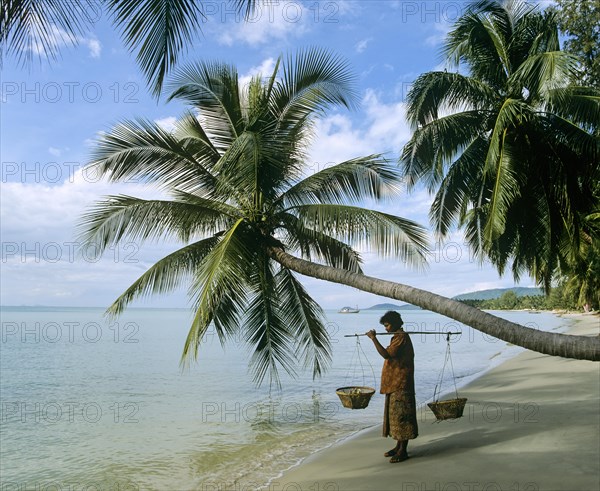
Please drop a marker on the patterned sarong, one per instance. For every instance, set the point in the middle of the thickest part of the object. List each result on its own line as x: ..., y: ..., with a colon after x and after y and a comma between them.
x: 400, y: 416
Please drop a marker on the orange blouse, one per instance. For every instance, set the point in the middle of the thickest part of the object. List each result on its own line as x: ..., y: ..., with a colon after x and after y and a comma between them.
x: 399, y: 369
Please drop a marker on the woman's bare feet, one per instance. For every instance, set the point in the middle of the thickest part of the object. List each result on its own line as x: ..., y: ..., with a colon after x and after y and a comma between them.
x: 399, y: 457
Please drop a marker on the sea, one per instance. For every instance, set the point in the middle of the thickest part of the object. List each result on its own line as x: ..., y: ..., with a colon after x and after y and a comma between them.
x: 91, y: 404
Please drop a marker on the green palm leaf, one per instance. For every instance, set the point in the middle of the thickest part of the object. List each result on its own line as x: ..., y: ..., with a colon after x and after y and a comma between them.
x: 166, y: 274
x: 267, y: 331
x: 159, y: 30
x: 314, y: 244
x: 312, y: 81
x: 305, y: 316
x: 220, y: 289
x: 141, y: 151
x: 213, y: 90
x: 456, y: 189
x: 438, y: 143
x: 542, y: 73
x: 117, y: 217
x: 356, y: 180
x: 434, y: 91
x: 389, y: 235
x: 28, y: 27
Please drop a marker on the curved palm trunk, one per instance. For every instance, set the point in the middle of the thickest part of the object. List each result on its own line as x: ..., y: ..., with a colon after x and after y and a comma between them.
x: 567, y: 346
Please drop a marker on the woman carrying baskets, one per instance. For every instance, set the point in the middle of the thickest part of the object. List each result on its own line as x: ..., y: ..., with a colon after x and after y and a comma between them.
x: 398, y: 385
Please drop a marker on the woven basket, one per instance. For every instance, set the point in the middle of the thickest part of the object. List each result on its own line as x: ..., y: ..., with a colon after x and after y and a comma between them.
x: 450, y: 409
x: 355, y: 397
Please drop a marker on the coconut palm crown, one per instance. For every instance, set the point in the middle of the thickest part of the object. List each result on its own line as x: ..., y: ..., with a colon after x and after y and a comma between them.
x: 510, y: 149
x: 235, y: 172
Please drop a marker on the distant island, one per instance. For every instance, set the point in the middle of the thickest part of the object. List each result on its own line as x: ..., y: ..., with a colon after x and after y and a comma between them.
x: 475, y: 298
x: 392, y: 306
x: 498, y: 292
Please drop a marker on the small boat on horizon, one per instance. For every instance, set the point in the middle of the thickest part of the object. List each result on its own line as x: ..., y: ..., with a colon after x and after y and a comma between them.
x: 349, y: 310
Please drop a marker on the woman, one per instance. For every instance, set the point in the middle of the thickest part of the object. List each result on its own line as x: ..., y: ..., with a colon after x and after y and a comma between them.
x: 398, y: 385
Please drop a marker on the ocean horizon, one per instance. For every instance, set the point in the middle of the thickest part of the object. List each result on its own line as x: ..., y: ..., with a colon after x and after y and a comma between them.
x: 90, y: 402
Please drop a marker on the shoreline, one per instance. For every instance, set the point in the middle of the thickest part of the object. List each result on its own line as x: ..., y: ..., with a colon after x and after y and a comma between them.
x: 531, y: 423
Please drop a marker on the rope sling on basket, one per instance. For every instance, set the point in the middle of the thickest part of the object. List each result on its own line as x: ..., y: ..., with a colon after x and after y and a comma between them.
x: 451, y: 408
x: 357, y: 396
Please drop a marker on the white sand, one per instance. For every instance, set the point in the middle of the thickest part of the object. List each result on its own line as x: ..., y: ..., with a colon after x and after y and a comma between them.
x: 531, y: 424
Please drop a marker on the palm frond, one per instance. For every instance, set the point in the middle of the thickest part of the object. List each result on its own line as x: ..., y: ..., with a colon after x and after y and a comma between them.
x: 119, y: 217
x: 267, y: 331
x: 580, y: 105
x: 352, y: 181
x: 159, y: 30
x: 314, y: 244
x: 505, y: 184
x: 389, y: 235
x: 166, y: 274
x: 512, y: 114
x: 312, y: 81
x: 141, y: 151
x: 306, y: 322
x: 479, y: 39
x: 219, y: 289
x: 189, y: 131
x: 34, y: 27
x: 542, y: 73
x: 212, y: 88
x: 433, y: 92
x: 432, y: 148
x: 454, y: 193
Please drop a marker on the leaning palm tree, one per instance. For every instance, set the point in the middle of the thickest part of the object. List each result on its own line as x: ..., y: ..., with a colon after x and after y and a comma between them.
x: 241, y: 204
x: 158, y: 31
x: 234, y: 172
x: 510, y: 149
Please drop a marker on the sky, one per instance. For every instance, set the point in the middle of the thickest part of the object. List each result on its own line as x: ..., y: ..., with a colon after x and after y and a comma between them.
x: 52, y: 112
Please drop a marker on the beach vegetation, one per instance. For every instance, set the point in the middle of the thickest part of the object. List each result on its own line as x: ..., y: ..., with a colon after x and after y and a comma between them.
x: 579, y: 20
x: 506, y: 143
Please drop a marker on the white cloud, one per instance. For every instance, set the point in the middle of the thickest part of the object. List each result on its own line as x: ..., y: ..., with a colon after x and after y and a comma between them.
x: 384, y: 129
x: 167, y: 124
x: 94, y: 46
x: 271, y: 21
x: 387, y: 122
x: 440, y: 31
x: 58, y: 38
x: 42, y: 258
x: 361, y: 46
x: 54, y: 151
x: 265, y: 69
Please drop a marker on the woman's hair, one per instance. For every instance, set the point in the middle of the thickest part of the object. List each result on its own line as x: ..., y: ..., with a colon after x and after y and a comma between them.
x: 393, y: 318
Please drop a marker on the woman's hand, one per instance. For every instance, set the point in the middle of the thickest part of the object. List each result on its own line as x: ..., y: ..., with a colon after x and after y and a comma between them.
x: 371, y: 334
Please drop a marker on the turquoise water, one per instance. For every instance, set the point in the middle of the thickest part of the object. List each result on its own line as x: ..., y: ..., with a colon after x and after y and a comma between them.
x: 90, y: 405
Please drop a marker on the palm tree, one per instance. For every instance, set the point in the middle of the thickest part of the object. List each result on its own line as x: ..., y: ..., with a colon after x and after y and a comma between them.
x: 239, y: 201
x: 233, y: 170
x: 581, y: 270
x: 510, y: 149
x: 158, y: 31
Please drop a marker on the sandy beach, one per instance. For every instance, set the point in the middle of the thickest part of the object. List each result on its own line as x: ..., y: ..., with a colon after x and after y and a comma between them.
x: 530, y: 424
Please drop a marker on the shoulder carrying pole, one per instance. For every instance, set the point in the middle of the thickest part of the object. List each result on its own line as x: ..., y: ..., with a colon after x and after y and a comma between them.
x: 447, y: 334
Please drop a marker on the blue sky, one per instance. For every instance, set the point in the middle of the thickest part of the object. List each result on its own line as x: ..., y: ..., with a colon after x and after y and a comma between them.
x: 51, y: 114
